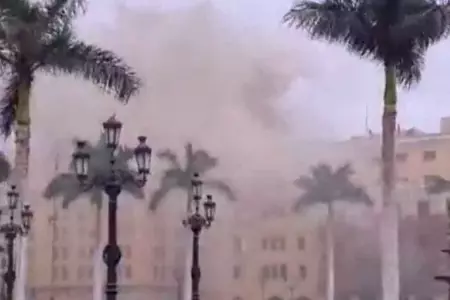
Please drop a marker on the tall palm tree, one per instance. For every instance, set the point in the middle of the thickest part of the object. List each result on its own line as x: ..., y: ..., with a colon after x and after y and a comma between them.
x: 67, y: 186
x: 396, y: 34
x: 326, y: 186
x: 179, y: 176
x: 37, y: 36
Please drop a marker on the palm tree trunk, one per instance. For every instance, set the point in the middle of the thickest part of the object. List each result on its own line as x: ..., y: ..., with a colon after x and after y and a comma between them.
x: 389, y: 214
x: 330, y: 252
x: 97, y: 259
x: 21, y: 161
x: 187, y: 291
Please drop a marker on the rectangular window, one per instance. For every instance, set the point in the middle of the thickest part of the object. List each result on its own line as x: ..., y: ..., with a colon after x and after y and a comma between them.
x: 64, y: 273
x: 283, y: 272
x: 265, y: 272
x: 236, y: 272
x: 401, y: 157
x: 429, y: 155
x: 301, y: 243
x: 303, y: 273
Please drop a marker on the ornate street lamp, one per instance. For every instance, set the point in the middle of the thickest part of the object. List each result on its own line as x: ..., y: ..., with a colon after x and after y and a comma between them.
x: 112, y: 185
x: 11, y: 229
x: 196, y: 222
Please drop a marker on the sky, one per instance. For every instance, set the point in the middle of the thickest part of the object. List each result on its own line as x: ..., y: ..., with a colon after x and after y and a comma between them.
x: 343, y: 87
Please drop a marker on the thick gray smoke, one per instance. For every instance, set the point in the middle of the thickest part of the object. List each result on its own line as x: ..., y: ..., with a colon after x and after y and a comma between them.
x: 207, y: 80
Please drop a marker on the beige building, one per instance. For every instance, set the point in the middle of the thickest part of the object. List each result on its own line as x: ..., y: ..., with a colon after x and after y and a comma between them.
x: 276, y: 255
x: 258, y: 256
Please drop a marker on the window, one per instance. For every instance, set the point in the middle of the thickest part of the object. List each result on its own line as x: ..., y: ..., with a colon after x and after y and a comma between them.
x: 401, y: 157
x: 274, y: 243
x: 301, y: 243
x: 237, y: 272
x: 54, y: 253
x: 283, y: 272
x: 429, y: 155
x: 265, y: 272
x: 302, y: 272
x: 274, y: 272
x: 64, y: 273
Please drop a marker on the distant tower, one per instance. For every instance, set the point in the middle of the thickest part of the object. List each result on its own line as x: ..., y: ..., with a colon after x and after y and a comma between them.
x: 446, y: 278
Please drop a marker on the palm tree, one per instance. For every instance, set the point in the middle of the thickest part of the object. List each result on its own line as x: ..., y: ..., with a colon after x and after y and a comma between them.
x: 395, y: 33
x: 36, y: 36
x: 179, y: 176
x: 67, y: 186
x: 326, y: 186
x: 5, y: 168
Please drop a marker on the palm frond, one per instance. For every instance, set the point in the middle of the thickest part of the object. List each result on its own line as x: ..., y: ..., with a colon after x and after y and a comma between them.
x: 65, y: 185
x: 170, y: 156
x: 222, y: 187
x: 63, y: 11
x: 305, y: 182
x: 305, y: 201
x: 202, y: 162
x: 436, y: 184
x: 326, y: 185
x: 330, y: 19
x: 60, y: 184
x: 5, y: 167
x: 15, y: 8
x: 8, y: 105
x: 96, y: 197
x: 135, y: 191
x: 424, y: 23
x: 99, y: 66
x: 168, y: 182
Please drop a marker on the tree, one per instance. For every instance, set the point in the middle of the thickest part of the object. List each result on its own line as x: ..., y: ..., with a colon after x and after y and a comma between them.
x: 179, y: 176
x: 36, y: 36
x: 5, y: 167
x: 326, y: 186
x: 395, y: 33
x: 67, y: 186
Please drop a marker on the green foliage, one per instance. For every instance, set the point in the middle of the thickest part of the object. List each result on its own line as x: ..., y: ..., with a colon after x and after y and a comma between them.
x: 178, y: 176
x: 36, y: 36
x: 67, y: 186
x: 325, y: 186
x: 396, y: 33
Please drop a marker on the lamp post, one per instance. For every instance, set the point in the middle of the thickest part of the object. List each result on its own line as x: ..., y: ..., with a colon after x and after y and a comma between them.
x: 196, y: 222
x: 112, y: 186
x: 11, y: 230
